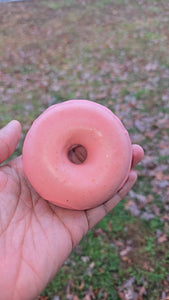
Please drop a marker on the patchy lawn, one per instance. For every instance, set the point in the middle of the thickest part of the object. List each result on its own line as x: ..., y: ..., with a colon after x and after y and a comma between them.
x: 114, y: 52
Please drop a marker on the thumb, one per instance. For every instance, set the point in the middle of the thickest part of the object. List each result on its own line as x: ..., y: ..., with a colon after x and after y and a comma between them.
x: 9, y: 138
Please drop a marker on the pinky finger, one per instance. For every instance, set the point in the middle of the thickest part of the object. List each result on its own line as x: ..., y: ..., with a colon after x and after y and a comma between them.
x: 110, y: 204
x: 95, y: 215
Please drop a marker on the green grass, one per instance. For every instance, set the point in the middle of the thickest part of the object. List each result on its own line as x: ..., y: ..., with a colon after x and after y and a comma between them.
x: 163, y: 158
x: 59, y: 4
x: 101, y: 3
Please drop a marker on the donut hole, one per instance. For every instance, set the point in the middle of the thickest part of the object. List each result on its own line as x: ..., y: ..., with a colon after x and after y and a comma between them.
x: 77, y: 154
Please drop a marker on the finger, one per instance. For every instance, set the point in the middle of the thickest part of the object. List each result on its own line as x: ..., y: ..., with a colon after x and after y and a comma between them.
x: 138, y: 154
x: 95, y: 215
x: 129, y: 184
x: 9, y: 138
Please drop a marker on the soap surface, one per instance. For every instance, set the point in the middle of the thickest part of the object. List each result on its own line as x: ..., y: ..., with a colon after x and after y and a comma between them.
x: 47, y: 160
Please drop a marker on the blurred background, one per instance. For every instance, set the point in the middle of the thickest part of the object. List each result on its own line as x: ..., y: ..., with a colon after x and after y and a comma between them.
x: 114, y: 52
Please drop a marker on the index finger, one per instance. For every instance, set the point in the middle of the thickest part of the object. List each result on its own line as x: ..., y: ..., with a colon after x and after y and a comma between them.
x: 9, y: 138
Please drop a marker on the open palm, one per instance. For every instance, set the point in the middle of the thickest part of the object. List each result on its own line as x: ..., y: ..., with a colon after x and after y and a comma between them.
x: 36, y: 236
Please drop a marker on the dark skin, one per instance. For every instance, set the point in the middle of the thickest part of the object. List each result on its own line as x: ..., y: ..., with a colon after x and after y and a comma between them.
x: 36, y: 237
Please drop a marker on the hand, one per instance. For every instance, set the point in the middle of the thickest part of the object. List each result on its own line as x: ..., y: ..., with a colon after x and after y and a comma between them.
x: 36, y: 237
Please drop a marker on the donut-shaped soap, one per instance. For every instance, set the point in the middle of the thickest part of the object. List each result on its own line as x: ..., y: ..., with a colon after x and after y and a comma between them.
x: 99, y: 142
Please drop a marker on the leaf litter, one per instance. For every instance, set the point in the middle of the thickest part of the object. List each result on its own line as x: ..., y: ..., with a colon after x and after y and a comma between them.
x: 117, y: 54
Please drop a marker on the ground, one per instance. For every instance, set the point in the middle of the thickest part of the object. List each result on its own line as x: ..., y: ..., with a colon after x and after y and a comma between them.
x: 114, y: 52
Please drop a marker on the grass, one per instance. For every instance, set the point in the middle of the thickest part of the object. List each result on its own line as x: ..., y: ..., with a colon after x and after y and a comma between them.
x: 59, y: 4
x: 115, y: 53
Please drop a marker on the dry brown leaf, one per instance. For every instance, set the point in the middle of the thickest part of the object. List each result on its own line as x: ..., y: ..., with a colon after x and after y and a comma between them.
x: 87, y: 297
x: 75, y: 297
x: 99, y: 232
x: 92, y: 265
x: 165, y: 217
x: 81, y: 285
x: 163, y: 123
x: 150, y: 198
x: 159, y: 175
x: 151, y: 134
x: 142, y: 291
x: 126, y: 259
x: 70, y: 284
x: 129, y: 204
x: 147, y: 267
x: 163, y: 238
x: 155, y: 209
x: 101, y: 270
x: 125, y: 251
x: 110, y: 226
x: 105, y: 296
x: 121, y: 295
x: 119, y: 243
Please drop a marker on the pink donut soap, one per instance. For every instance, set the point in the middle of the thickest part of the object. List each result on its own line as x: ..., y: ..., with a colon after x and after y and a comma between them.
x: 101, y: 143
